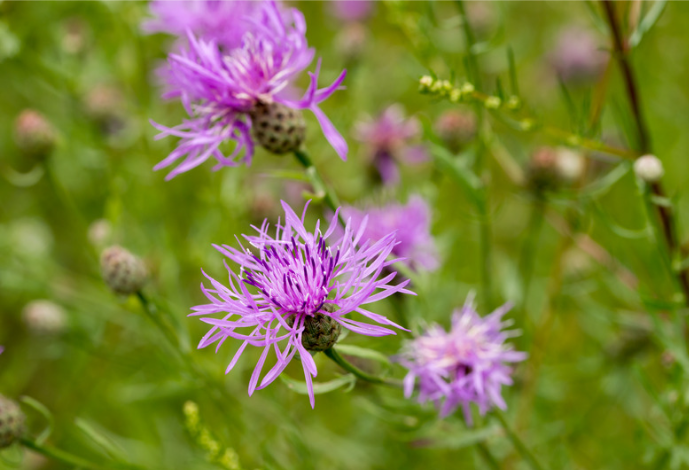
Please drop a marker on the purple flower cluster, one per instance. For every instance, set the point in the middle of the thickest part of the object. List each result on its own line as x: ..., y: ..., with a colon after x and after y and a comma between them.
x: 411, y: 225
x: 467, y: 364
x: 292, y: 278
x: 219, y: 20
x: 221, y: 87
x: 390, y: 141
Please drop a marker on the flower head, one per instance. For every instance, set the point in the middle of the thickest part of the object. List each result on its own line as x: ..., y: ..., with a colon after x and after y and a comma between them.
x: 297, y: 290
x: 467, y: 364
x: 411, y: 225
x: 224, y: 91
x: 220, y: 20
x: 578, y: 56
x: 390, y: 140
x: 351, y: 10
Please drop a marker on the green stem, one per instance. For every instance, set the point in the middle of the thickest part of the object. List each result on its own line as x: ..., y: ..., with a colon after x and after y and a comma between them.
x: 319, y: 185
x: 342, y: 362
x: 528, y: 250
x: 60, y: 455
x: 488, y: 456
x: 485, y: 251
x: 516, y: 441
x: 218, y: 395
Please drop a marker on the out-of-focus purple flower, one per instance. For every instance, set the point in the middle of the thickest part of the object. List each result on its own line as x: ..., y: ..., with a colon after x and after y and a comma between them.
x: 224, y: 21
x: 296, y: 282
x: 467, y: 364
x: 222, y: 89
x: 351, y: 10
x: 411, y: 225
x: 390, y: 140
x: 578, y: 56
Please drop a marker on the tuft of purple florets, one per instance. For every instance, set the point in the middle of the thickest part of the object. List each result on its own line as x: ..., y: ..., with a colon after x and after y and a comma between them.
x: 390, y: 141
x: 218, y: 20
x: 467, y: 364
x: 411, y: 225
x: 220, y: 89
x: 291, y: 279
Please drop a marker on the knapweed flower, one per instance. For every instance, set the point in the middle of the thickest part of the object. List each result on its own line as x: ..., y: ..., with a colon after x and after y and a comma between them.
x: 219, y: 20
x: 390, y: 141
x: 351, y: 10
x: 466, y: 365
x: 243, y: 94
x: 297, y: 290
x: 411, y: 225
x: 578, y: 56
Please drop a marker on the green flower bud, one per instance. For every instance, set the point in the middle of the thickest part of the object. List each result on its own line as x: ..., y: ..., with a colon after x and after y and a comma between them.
x: 11, y: 422
x: 320, y: 332
x: 277, y: 128
x: 123, y: 272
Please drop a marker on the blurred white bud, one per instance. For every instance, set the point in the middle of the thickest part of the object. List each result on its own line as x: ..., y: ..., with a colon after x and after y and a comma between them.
x: 570, y: 164
x: 44, y: 317
x: 122, y: 271
x: 649, y: 168
x: 351, y: 40
x: 100, y: 232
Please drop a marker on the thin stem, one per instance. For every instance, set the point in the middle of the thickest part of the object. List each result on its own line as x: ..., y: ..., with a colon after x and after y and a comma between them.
x: 488, y: 456
x: 528, y: 249
x: 470, y: 39
x: 319, y: 185
x: 342, y: 362
x: 485, y: 251
x: 61, y: 456
x: 219, y: 397
x: 665, y: 214
x: 516, y: 441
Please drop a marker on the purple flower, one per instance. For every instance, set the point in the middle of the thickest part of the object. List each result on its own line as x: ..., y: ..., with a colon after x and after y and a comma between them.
x: 578, y: 56
x: 390, y: 141
x: 351, y: 10
x: 465, y: 365
x: 222, y: 21
x: 220, y: 89
x: 292, y: 281
x: 411, y: 225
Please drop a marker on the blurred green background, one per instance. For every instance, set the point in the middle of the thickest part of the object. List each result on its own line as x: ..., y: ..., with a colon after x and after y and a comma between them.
x: 606, y: 394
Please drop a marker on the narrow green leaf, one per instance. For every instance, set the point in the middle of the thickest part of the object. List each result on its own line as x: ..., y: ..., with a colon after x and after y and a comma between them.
x: 45, y: 412
x: 465, y: 439
x: 323, y: 387
x: 105, y: 443
x: 647, y: 23
x: 464, y: 177
x: 364, y: 353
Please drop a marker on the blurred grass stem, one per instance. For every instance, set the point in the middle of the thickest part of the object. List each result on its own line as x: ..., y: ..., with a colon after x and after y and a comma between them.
x: 66, y: 458
x: 516, y: 441
x: 667, y: 220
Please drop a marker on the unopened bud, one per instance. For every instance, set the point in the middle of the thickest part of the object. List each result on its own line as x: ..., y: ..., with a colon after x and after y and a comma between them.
x: 456, y: 128
x: 277, y: 128
x: 425, y: 83
x: 11, y: 422
x: 34, y: 135
x: 100, y: 232
x: 578, y: 57
x: 44, y: 317
x: 352, y: 40
x: 320, y: 332
x: 542, y: 170
x: 104, y: 103
x: 570, y: 164
x: 649, y: 168
x: 123, y: 272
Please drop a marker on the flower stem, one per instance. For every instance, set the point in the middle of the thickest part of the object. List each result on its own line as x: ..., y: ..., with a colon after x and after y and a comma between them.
x: 342, y: 362
x: 516, y: 441
x: 667, y: 220
x: 62, y: 456
x: 329, y: 196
